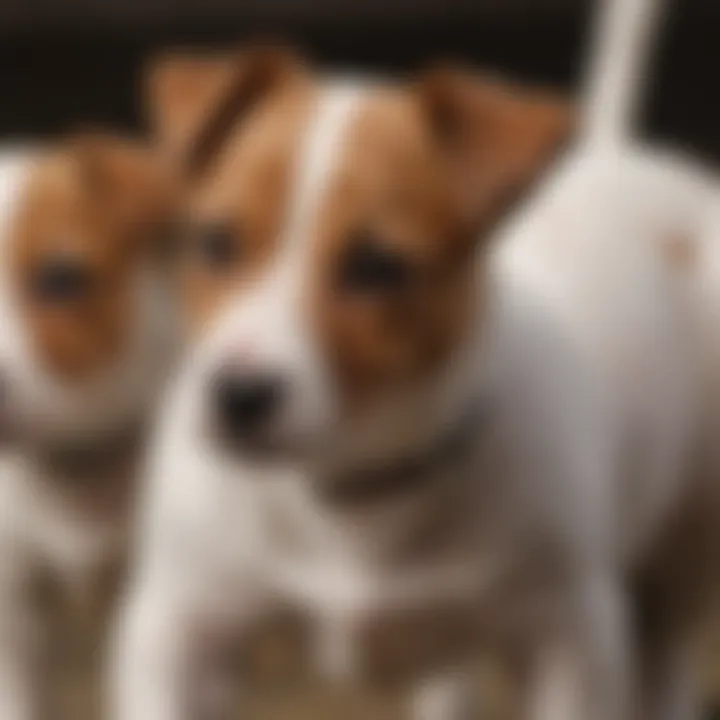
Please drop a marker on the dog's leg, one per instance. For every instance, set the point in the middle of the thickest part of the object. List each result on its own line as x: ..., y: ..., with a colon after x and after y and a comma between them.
x: 446, y: 697
x: 150, y: 659
x: 583, y: 672
x: 164, y: 658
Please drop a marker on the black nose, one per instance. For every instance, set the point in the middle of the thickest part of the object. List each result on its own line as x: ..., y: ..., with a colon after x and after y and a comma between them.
x: 245, y: 402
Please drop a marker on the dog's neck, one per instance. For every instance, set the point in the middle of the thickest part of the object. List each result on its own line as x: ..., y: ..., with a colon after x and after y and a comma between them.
x: 400, y: 477
x: 86, y: 461
x: 441, y: 448
x: 417, y: 418
x: 403, y: 445
x: 92, y: 478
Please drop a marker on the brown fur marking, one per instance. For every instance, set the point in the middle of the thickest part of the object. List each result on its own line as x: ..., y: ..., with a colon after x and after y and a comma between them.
x: 103, y: 202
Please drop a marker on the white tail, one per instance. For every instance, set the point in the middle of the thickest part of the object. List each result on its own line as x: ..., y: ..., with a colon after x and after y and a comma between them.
x: 615, y: 85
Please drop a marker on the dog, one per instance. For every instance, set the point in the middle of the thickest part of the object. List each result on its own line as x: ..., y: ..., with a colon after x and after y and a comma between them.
x: 88, y: 335
x: 424, y: 415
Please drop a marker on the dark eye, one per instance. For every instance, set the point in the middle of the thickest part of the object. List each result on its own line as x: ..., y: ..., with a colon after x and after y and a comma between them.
x: 218, y: 246
x: 61, y: 279
x: 368, y: 266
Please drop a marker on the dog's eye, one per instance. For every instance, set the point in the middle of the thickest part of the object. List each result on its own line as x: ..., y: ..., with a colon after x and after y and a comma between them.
x: 218, y: 246
x: 61, y: 279
x: 368, y: 266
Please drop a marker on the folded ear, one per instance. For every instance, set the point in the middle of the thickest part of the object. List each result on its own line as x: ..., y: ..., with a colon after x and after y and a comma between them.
x: 194, y: 101
x: 129, y: 181
x: 496, y: 138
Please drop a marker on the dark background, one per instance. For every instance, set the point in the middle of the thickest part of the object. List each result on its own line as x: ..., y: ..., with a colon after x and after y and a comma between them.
x: 66, y: 63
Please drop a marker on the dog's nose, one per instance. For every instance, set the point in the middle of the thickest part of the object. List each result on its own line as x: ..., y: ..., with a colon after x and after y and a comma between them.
x: 245, y: 402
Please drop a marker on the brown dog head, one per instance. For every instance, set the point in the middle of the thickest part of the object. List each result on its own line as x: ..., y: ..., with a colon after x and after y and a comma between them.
x: 337, y: 227
x: 81, y: 249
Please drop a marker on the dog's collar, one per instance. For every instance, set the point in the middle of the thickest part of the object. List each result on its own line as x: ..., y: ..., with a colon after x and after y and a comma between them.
x: 79, y: 464
x: 408, y: 475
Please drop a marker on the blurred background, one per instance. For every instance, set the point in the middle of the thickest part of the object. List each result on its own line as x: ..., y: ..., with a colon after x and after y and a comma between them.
x: 71, y: 62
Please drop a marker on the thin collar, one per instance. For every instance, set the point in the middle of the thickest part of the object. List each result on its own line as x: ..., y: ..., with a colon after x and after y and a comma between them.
x: 82, y: 463
x: 409, y: 475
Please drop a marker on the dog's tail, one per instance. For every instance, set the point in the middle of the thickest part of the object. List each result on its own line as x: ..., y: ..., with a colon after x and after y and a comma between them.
x: 621, y: 45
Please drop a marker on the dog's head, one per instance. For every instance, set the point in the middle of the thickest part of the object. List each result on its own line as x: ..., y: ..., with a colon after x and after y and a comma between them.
x: 336, y: 230
x: 81, y: 339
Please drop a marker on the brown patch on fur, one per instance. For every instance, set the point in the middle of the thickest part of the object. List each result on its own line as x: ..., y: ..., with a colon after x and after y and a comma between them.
x: 497, y: 137
x: 390, y: 185
x: 426, y: 192
x: 105, y: 204
x: 247, y: 193
x: 196, y: 101
x: 234, y: 122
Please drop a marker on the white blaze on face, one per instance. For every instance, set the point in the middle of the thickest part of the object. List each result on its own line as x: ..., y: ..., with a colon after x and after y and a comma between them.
x: 267, y: 329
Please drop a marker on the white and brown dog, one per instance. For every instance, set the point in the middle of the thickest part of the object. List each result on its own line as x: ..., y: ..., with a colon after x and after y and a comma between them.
x: 422, y: 441
x: 86, y: 340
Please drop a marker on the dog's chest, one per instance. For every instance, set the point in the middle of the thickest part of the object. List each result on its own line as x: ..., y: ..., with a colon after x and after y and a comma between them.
x: 396, y: 624
x: 396, y: 643
x: 392, y: 590
x: 392, y: 631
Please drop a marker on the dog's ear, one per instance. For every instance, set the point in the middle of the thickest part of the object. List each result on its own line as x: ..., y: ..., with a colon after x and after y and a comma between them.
x: 194, y: 101
x: 496, y: 138
x: 129, y: 181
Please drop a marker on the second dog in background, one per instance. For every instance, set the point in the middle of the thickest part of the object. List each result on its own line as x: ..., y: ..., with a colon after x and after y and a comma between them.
x: 86, y: 342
